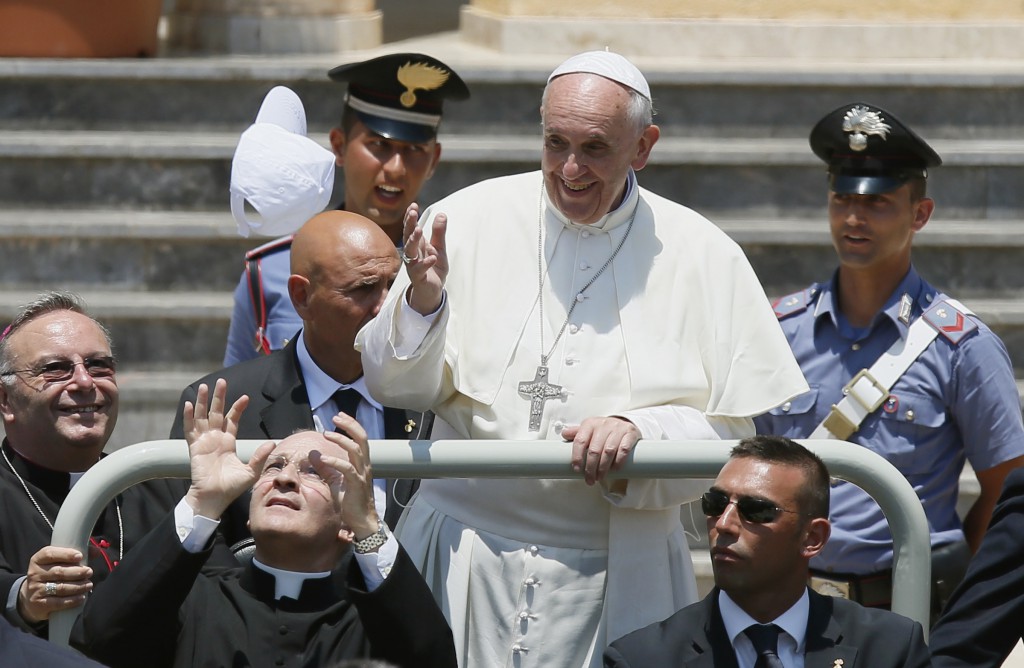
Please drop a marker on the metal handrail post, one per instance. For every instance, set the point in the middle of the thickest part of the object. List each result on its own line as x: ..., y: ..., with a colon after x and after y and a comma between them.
x: 517, y: 459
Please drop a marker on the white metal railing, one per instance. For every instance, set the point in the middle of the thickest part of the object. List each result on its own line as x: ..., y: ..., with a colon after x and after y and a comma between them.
x: 528, y: 459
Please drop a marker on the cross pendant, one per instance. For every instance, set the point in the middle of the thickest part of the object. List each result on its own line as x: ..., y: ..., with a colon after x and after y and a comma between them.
x: 538, y: 391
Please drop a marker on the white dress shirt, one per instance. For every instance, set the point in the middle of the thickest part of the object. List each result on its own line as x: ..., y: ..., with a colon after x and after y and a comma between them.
x: 320, y: 389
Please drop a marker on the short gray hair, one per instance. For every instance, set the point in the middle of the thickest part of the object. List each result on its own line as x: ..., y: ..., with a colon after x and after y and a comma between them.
x: 47, y: 302
x: 639, y: 112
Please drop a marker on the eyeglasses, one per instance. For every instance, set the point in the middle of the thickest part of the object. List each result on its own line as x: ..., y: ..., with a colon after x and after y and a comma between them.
x: 759, y: 511
x: 303, y: 467
x: 60, y: 370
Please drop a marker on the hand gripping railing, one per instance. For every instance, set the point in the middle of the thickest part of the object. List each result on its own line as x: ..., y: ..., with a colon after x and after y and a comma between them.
x: 528, y: 459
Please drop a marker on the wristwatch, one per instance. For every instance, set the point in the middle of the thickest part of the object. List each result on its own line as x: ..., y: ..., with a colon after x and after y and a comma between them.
x: 373, y: 541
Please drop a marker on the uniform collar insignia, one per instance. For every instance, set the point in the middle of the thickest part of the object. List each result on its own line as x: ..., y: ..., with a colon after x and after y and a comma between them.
x: 906, y: 305
x: 861, y: 122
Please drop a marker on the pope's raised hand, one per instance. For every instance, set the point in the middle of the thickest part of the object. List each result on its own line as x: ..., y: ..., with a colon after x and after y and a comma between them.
x: 218, y: 475
x: 426, y: 261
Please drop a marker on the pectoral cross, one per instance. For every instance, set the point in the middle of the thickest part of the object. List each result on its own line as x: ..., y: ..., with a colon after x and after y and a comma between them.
x: 538, y: 391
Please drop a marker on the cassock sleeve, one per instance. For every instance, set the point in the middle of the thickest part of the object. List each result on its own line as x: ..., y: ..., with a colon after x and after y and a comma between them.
x: 133, y: 617
x: 402, y: 621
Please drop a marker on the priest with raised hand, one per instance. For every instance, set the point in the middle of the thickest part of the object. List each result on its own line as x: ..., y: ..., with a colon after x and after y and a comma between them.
x: 327, y: 581
x: 570, y: 304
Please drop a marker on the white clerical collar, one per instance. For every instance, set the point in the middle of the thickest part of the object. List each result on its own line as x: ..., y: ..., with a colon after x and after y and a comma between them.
x: 792, y: 621
x: 320, y: 387
x: 74, y: 477
x: 288, y: 583
x: 610, y: 220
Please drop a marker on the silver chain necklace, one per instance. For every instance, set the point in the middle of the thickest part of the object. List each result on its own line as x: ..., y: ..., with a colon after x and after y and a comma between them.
x: 539, y: 390
x: 24, y: 485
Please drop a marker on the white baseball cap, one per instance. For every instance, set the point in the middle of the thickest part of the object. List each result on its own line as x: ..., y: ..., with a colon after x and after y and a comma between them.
x: 607, y: 64
x: 280, y: 172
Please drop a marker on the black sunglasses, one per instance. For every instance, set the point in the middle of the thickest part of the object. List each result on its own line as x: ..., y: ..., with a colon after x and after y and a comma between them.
x: 61, y: 370
x: 759, y: 511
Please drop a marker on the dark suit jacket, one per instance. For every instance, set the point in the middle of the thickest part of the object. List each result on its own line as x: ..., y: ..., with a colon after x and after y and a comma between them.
x: 984, y: 618
x: 695, y: 637
x: 278, y: 406
x: 18, y: 648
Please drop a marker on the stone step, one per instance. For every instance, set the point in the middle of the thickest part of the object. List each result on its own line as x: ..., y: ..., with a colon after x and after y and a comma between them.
x: 151, y: 330
x: 724, y: 176
x: 168, y: 251
x: 163, y: 280
x: 188, y: 329
x: 138, y: 250
x: 965, y: 258
x: 216, y: 226
x: 117, y: 250
x: 755, y: 98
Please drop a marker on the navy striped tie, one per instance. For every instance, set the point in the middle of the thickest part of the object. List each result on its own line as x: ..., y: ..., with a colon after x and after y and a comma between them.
x: 765, y: 638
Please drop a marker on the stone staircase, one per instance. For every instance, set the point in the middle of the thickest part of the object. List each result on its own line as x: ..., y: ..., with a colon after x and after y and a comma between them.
x: 114, y: 179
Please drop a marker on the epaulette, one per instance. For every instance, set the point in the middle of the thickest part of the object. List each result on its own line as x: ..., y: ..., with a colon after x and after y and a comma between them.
x: 798, y: 302
x: 951, y: 319
x: 270, y: 247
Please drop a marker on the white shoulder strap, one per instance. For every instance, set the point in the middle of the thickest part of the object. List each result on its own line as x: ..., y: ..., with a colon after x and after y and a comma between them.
x: 870, y: 387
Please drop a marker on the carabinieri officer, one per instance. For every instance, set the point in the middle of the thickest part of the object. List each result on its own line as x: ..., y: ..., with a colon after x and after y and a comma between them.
x: 943, y: 393
x: 386, y: 144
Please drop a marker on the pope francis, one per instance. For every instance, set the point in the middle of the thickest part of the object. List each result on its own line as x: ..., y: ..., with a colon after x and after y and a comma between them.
x: 570, y: 304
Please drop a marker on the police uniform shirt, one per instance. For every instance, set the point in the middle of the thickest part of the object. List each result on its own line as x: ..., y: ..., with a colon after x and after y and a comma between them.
x: 320, y: 389
x: 399, y: 96
x: 954, y: 400
x: 282, y: 320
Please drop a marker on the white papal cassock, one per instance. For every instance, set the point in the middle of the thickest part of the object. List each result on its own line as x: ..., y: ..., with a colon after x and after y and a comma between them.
x: 676, y: 335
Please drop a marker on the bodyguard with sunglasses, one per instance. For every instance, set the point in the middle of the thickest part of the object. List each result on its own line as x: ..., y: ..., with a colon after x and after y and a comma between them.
x: 58, y: 401
x: 767, y: 516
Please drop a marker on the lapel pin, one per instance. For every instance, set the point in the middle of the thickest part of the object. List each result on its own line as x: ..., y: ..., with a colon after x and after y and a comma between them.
x: 409, y: 426
x: 838, y: 663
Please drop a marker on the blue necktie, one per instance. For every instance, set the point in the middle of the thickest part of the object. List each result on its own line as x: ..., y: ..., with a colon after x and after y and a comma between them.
x: 765, y: 638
